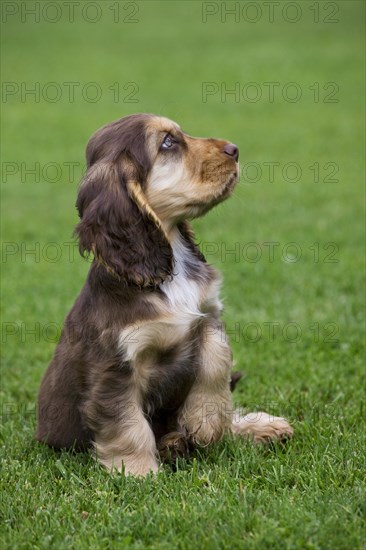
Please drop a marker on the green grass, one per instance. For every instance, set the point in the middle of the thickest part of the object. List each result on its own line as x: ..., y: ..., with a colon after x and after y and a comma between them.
x: 309, y: 494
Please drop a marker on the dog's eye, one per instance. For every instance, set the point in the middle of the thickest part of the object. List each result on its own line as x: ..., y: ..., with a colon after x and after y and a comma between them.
x: 168, y: 142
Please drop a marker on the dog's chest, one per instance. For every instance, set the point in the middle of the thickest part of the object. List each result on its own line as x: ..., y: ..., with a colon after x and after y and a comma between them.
x: 183, y: 301
x: 183, y: 298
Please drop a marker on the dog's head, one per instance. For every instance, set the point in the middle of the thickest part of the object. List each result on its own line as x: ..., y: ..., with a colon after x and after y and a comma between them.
x: 145, y: 175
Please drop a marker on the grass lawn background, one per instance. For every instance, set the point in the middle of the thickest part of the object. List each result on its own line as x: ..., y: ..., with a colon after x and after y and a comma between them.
x: 310, y: 368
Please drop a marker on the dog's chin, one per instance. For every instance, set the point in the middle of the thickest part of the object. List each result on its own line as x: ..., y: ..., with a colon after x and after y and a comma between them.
x: 200, y: 208
x: 229, y: 185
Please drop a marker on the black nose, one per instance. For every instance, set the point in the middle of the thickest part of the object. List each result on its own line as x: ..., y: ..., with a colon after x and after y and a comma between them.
x: 232, y: 150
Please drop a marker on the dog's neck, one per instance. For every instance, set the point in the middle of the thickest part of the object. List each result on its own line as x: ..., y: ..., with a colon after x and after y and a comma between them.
x: 171, y: 228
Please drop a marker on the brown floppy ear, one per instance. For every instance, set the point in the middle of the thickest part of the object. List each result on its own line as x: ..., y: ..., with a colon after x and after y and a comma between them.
x: 120, y: 228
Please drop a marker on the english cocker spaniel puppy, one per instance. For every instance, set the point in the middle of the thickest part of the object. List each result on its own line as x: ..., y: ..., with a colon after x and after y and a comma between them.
x: 143, y: 365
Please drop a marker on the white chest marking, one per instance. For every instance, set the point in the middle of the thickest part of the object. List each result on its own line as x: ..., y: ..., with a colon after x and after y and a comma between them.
x: 183, y: 294
x: 178, y: 313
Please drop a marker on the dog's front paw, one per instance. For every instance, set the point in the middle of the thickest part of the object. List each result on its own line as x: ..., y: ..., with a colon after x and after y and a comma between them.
x: 207, y: 430
x: 205, y: 434
x: 205, y: 419
x: 134, y: 465
x: 262, y: 427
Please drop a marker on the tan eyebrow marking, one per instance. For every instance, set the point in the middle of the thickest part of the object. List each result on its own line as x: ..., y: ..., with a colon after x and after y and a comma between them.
x: 175, y: 132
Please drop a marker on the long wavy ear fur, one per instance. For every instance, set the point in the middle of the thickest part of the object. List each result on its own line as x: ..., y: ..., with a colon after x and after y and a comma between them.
x: 117, y: 224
